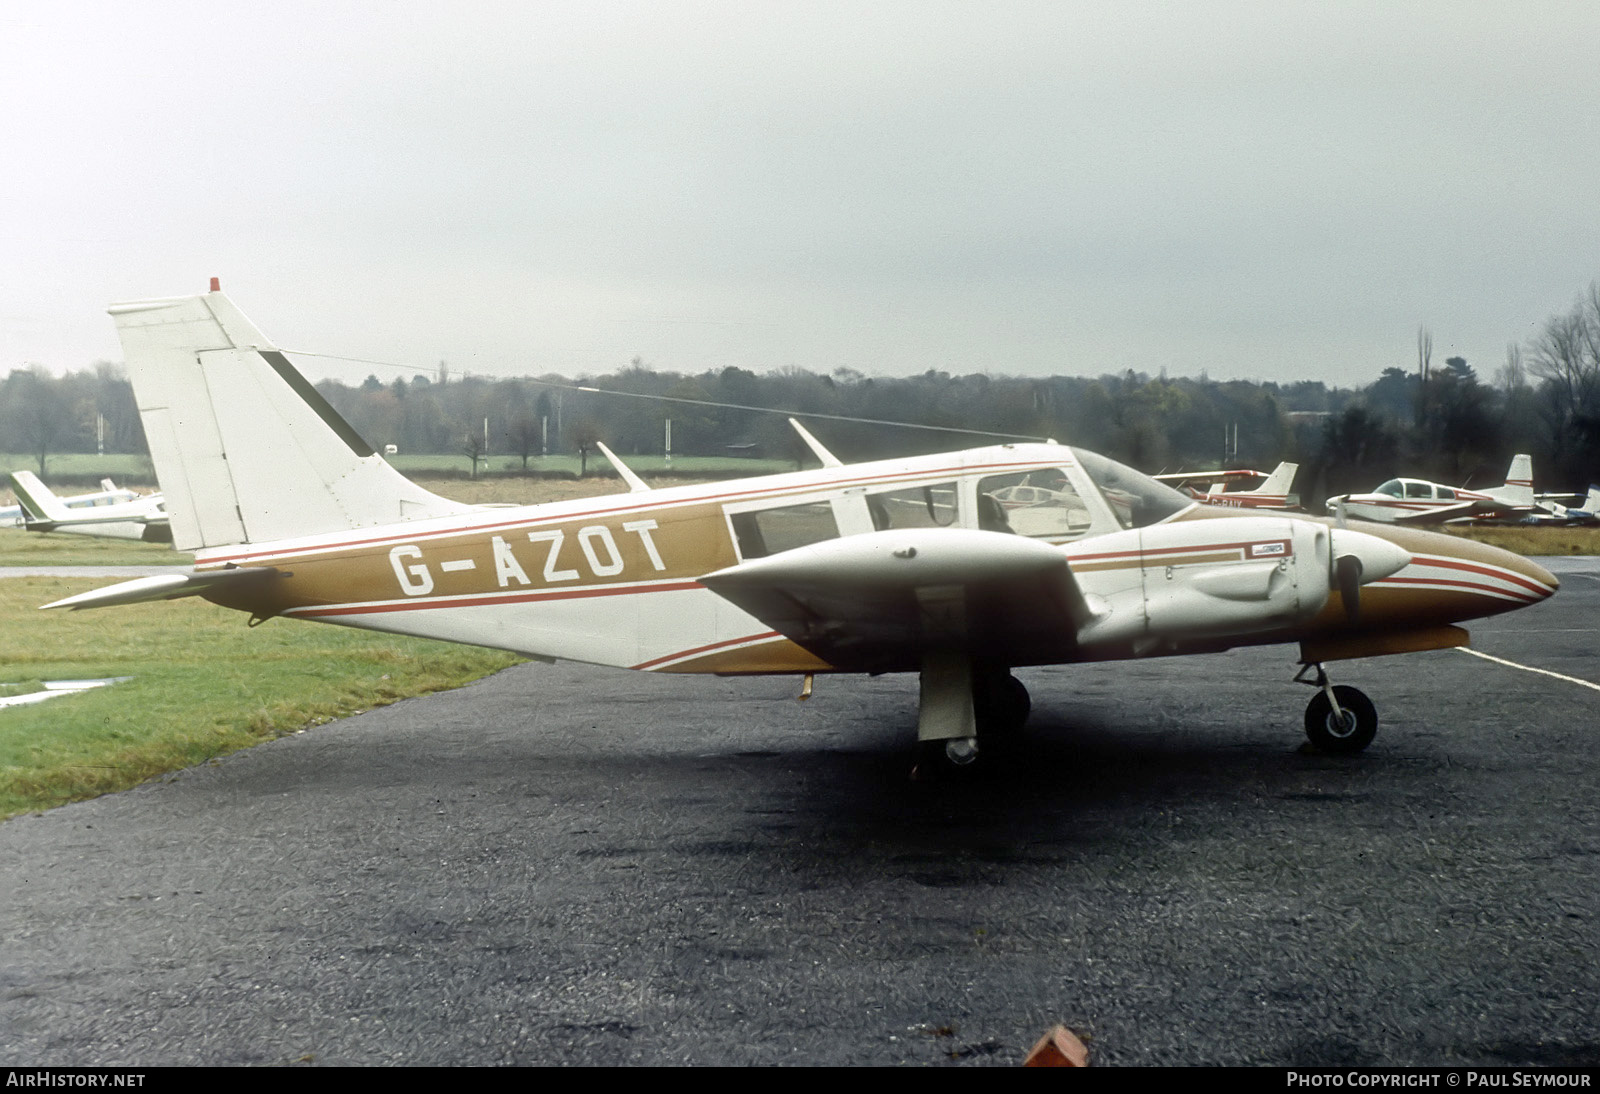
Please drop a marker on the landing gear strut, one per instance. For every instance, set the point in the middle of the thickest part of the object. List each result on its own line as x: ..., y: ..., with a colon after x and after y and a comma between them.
x: 1340, y: 719
x: 965, y: 707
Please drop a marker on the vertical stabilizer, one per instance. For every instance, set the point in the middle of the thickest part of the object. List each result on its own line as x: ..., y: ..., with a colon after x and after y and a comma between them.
x: 1518, y: 489
x: 38, y: 501
x: 1278, y: 483
x: 245, y: 448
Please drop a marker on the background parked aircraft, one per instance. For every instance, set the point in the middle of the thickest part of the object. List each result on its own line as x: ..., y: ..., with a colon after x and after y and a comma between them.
x: 1418, y: 501
x: 1242, y: 489
x: 106, y: 495
x: 142, y: 517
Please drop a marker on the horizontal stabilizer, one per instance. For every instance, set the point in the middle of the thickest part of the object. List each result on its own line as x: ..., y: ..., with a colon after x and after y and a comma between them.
x: 162, y: 587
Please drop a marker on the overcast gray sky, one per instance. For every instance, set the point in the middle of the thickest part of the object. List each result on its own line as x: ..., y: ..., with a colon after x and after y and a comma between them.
x: 1269, y: 190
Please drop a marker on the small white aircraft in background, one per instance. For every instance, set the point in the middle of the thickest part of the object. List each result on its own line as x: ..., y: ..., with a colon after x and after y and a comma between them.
x: 959, y: 566
x: 142, y: 517
x: 1552, y: 511
x: 1418, y: 501
x: 108, y: 493
x: 1272, y: 491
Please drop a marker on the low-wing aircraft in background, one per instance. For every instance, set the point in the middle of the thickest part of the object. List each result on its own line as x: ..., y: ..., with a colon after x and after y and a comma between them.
x: 958, y: 567
x: 109, y: 493
x: 142, y: 516
x: 1553, y: 511
x: 1241, y: 489
x: 1417, y: 501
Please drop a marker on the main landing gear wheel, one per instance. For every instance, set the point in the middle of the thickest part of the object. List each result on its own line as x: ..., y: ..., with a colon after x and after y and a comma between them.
x: 1346, y: 732
x: 953, y: 757
x: 1000, y: 703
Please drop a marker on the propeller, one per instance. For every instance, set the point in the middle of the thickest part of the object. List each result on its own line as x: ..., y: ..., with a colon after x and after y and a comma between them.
x: 1347, y: 579
x: 1357, y: 558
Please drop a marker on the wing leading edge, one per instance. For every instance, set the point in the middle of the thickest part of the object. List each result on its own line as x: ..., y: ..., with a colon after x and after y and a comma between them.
x: 880, y: 601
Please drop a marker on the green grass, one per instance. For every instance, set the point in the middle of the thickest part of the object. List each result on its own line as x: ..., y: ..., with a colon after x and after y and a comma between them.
x: 20, y: 548
x: 203, y: 685
x: 81, y: 465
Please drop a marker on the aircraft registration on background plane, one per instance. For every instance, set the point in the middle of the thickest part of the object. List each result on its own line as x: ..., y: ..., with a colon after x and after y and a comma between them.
x: 959, y: 566
x: 140, y: 516
x: 1270, y: 492
x: 108, y: 493
x: 1418, y: 501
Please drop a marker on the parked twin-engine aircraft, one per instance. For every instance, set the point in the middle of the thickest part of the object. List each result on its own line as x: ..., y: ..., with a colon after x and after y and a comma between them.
x: 1417, y: 501
x: 958, y: 566
x: 106, y: 495
x: 138, y: 516
x: 1269, y: 492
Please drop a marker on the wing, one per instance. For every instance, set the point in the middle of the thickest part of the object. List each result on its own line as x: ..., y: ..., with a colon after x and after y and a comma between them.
x: 879, y: 601
x: 1467, y: 510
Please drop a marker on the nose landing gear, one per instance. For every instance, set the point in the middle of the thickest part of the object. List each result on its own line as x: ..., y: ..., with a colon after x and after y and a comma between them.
x: 1340, y: 720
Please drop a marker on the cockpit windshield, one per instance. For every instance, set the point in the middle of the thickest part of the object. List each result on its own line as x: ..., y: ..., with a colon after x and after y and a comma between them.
x: 1392, y: 488
x: 1137, y: 500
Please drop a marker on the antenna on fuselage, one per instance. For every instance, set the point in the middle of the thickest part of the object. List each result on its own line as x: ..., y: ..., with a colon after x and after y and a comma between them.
x: 635, y: 483
x: 828, y: 458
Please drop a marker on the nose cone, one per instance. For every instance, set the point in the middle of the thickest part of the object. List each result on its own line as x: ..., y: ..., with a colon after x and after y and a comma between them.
x: 1379, y: 557
x: 1535, y: 573
x: 1452, y: 579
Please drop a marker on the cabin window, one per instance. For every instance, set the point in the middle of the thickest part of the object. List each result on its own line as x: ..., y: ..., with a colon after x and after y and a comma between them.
x: 1419, y: 490
x: 1446, y: 493
x: 764, y: 532
x: 1033, y: 503
x: 914, y: 507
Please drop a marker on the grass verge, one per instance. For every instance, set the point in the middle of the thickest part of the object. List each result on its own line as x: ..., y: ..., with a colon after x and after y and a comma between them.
x: 203, y: 685
x: 1531, y: 540
x: 22, y: 548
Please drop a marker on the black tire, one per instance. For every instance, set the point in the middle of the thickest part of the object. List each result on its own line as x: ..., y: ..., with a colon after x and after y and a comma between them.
x: 1341, y: 737
x: 1000, y: 703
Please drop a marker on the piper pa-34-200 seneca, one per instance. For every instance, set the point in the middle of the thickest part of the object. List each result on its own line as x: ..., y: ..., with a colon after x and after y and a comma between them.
x: 959, y: 567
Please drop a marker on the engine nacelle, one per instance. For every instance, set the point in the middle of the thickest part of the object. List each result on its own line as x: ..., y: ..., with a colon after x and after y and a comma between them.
x: 1200, y: 579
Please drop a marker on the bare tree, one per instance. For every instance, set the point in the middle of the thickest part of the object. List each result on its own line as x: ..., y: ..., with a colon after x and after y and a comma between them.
x: 473, y: 448
x: 1513, y: 375
x: 584, y: 436
x: 526, y: 436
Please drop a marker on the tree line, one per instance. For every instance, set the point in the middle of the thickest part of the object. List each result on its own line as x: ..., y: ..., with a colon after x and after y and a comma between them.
x: 1434, y: 420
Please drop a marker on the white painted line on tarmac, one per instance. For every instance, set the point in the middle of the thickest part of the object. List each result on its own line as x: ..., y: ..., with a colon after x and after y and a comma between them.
x: 1530, y: 668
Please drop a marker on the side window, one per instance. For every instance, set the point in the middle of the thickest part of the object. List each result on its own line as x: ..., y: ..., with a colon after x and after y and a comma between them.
x: 1447, y: 493
x: 764, y: 532
x: 914, y: 507
x: 1418, y: 490
x: 1032, y: 503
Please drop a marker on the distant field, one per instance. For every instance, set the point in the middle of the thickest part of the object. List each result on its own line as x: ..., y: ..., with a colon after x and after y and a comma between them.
x: 1533, y: 541
x: 79, y: 467
x: 20, y: 548
x: 701, y: 466
x: 78, y: 473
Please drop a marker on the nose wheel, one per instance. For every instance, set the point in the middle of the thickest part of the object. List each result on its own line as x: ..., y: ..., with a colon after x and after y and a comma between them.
x: 1340, y: 720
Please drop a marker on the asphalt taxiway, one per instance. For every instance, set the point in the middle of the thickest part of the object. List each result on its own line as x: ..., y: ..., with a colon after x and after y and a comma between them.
x: 569, y: 865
